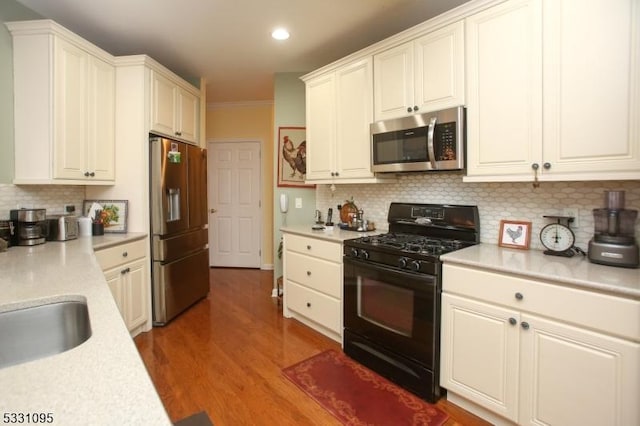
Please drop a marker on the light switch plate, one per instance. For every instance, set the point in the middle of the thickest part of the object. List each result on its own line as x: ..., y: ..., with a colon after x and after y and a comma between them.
x: 298, y: 203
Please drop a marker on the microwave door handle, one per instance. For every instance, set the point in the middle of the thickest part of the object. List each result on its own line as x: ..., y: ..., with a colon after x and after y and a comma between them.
x: 430, y: 148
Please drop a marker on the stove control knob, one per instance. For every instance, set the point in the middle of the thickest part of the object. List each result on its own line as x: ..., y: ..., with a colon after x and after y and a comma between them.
x: 415, y: 265
x: 354, y: 252
x: 364, y: 254
x: 402, y: 262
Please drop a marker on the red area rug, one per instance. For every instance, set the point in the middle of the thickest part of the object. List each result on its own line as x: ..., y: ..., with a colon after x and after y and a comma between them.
x: 356, y: 395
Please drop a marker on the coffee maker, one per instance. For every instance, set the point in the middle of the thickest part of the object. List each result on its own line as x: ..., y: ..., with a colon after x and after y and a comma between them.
x: 614, y: 242
x: 30, y: 226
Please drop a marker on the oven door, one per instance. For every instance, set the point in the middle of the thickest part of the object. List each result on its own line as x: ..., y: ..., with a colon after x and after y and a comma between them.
x: 396, y: 309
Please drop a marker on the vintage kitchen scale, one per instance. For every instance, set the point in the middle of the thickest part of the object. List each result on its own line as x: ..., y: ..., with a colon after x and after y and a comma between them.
x: 558, y: 239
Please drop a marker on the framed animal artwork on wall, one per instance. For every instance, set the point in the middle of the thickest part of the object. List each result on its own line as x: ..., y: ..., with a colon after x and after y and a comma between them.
x: 292, y: 157
x: 515, y: 234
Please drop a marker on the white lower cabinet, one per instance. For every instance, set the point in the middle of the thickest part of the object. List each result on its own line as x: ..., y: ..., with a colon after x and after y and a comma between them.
x: 313, y: 283
x: 535, y: 353
x: 127, y: 273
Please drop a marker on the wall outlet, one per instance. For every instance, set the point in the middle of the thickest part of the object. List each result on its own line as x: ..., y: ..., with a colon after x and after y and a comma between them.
x: 575, y: 214
x: 298, y: 203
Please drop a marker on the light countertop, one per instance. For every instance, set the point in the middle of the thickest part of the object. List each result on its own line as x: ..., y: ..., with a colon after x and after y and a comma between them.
x: 576, y: 271
x: 330, y: 234
x: 103, y: 381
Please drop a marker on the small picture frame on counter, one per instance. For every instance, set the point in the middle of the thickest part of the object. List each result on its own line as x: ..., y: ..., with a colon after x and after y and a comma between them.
x: 514, y: 234
x: 112, y: 214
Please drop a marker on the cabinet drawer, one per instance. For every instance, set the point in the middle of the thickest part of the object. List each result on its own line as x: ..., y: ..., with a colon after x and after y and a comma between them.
x: 314, y: 247
x: 323, y: 276
x: 317, y: 307
x: 113, y: 256
x: 614, y: 315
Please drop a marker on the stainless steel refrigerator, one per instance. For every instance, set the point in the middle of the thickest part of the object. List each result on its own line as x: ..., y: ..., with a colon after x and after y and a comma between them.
x: 179, y: 234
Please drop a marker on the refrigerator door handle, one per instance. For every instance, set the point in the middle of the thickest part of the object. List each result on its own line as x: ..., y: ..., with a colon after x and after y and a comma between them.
x: 173, y: 204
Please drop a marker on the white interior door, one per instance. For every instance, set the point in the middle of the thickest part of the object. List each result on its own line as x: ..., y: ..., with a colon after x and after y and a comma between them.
x: 234, y: 204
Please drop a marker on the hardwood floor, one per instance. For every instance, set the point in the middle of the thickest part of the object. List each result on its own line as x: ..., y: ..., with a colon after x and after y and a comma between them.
x: 225, y: 356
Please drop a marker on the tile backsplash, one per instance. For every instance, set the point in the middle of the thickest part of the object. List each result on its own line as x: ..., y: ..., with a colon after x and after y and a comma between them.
x: 50, y: 197
x: 495, y: 201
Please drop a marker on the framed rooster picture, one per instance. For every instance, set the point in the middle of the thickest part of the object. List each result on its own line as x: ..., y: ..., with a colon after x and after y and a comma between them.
x: 292, y: 157
x: 515, y: 234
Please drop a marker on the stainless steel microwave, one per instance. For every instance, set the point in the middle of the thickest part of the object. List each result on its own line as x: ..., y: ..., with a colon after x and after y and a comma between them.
x: 421, y: 142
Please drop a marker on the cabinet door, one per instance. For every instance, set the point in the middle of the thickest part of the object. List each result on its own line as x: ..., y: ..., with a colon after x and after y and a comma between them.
x: 70, y: 111
x: 187, y: 120
x: 591, y: 100
x: 479, y: 353
x: 134, y: 288
x: 439, y: 69
x: 163, y: 104
x: 393, y: 82
x: 101, y: 120
x: 504, y: 90
x: 321, y: 137
x: 354, y: 114
x: 576, y: 377
x: 115, y: 285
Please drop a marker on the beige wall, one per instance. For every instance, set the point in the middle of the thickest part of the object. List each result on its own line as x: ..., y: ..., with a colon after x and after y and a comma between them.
x: 250, y: 121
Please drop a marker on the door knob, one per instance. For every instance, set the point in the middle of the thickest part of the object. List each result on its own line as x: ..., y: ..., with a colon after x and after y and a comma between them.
x: 212, y: 210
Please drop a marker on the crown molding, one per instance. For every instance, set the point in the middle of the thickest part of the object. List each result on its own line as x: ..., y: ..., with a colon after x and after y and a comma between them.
x: 241, y: 104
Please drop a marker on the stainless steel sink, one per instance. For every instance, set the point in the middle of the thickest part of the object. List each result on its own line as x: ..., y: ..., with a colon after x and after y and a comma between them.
x: 40, y: 331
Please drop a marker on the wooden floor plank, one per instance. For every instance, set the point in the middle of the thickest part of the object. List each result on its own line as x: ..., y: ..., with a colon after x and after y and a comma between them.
x: 225, y: 356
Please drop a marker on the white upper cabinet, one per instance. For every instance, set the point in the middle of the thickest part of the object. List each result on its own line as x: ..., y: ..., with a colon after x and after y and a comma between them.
x: 591, y: 89
x: 64, y: 96
x: 425, y: 74
x: 339, y: 111
x: 552, y: 91
x: 174, y: 108
x: 321, y: 139
x: 504, y: 90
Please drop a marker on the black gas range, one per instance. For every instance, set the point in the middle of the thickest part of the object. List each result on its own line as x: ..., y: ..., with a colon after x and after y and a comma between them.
x: 392, y: 290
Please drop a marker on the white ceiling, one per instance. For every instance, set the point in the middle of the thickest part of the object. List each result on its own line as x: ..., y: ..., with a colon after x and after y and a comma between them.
x: 228, y: 41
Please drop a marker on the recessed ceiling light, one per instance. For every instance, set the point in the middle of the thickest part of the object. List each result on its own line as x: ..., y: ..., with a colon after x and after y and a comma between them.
x: 280, y: 34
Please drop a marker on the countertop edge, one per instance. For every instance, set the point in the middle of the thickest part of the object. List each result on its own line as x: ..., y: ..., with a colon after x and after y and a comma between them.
x: 575, y: 272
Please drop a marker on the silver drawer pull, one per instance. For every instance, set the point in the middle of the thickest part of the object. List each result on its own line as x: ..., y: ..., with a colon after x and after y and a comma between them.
x: 308, y: 273
x: 125, y: 254
x: 309, y: 247
x: 125, y: 271
x: 519, y: 296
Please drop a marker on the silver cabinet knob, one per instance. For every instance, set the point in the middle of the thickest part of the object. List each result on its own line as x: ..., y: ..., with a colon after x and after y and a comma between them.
x: 512, y: 321
x: 519, y: 296
x: 212, y: 210
x: 525, y: 325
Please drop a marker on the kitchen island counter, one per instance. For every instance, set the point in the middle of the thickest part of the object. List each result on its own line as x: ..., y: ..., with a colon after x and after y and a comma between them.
x: 576, y: 272
x: 101, y: 381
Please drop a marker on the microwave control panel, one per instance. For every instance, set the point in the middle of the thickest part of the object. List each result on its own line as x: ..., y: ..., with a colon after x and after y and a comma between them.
x: 445, y: 141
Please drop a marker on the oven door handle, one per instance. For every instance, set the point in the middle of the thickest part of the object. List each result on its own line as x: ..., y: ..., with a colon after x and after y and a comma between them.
x: 430, y: 147
x: 431, y: 279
